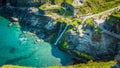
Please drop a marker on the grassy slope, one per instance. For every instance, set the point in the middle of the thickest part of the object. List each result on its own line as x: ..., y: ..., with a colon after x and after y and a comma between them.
x: 115, y: 17
x: 96, y: 6
x: 59, y: 2
x: 90, y: 6
x: 89, y: 65
x: 13, y: 66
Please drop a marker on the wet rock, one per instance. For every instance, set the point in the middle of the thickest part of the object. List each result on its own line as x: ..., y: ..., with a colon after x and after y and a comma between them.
x: 10, y: 24
x: 41, y: 35
x: 15, y: 19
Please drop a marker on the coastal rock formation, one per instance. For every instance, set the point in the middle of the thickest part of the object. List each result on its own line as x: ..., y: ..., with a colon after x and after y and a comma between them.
x: 32, y: 18
x: 117, y: 59
x: 22, y: 2
x: 99, y: 46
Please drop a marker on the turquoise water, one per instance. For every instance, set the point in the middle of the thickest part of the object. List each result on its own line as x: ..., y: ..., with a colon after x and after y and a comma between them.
x: 18, y: 48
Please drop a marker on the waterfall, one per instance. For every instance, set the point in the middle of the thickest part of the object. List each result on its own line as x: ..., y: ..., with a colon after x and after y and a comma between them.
x: 60, y: 30
x: 61, y: 35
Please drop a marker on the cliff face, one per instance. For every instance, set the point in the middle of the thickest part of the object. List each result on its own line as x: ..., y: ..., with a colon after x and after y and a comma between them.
x: 33, y: 19
x: 101, y: 46
x: 3, y: 2
x: 100, y: 50
x: 118, y: 28
x: 22, y: 2
x: 38, y: 2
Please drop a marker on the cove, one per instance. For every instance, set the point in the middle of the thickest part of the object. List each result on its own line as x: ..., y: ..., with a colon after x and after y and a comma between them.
x: 17, y: 48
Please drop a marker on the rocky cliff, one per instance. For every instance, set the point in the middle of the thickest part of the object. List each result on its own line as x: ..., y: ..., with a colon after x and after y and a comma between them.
x: 33, y: 20
x: 22, y: 2
x: 91, y: 45
x: 94, y: 43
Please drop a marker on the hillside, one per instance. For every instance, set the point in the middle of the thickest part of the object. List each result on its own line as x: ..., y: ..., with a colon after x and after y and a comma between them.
x: 60, y: 33
x: 86, y: 7
x: 88, y: 65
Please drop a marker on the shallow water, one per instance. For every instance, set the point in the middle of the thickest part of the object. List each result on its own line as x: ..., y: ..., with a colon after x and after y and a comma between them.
x: 18, y: 48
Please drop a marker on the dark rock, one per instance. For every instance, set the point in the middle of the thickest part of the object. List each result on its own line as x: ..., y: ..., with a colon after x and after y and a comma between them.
x: 117, y: 59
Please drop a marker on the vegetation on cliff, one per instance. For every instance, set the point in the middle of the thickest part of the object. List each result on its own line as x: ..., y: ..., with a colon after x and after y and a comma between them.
x: 96, y: 6
x: 89, y: 65
x: 14, y: 66
x: 88, y: 7
x: 114, y: 17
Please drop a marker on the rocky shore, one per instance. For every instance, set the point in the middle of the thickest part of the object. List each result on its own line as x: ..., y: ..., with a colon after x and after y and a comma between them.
x: 31, y: 19
x: 95, y: 46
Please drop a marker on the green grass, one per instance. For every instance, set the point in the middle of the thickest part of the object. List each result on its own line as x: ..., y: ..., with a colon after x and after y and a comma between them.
x: 90, y: 6
x: 116, y: 14
x: 61, y: 11
x: 63, y: 44
x: 57, y: 2
x: 89, y: 65
x: 46, y: 6
x: 69, y: 1
x: 114, y: 17
x: 14, y: 66
x: 70, y: 21
x: 96, y: 6
x: 91, y: 24
x: 88, y: 23
x: 83, y: 55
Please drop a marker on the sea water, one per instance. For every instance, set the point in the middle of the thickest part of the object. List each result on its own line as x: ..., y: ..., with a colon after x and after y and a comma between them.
x: 21, y: 48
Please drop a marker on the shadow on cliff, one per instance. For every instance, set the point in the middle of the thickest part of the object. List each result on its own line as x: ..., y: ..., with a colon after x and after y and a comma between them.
x: 64, y: 58
x: 109, y: 27
x: 46, y: 34
x: 112, y: 24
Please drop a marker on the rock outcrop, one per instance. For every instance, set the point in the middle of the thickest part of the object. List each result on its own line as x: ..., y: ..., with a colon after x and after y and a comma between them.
x: 32, y: 18
x: 101, y: 50
x: 78, y: 2
x: 22, y: 2
x: 117, y: 59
